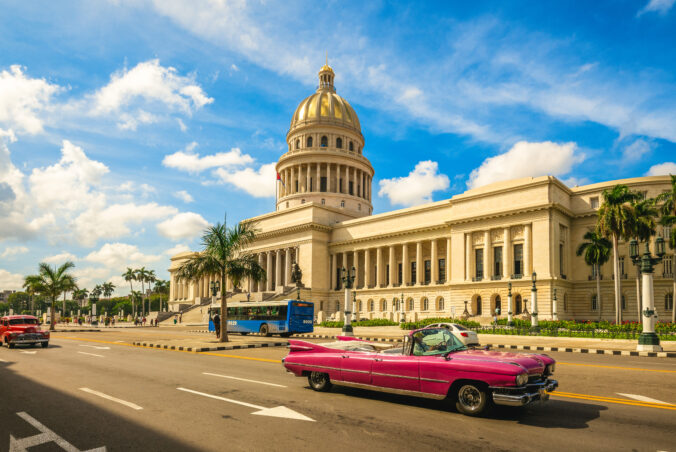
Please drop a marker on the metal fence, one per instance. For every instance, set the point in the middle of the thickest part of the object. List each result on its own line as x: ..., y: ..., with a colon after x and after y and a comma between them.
x: 566, y: 332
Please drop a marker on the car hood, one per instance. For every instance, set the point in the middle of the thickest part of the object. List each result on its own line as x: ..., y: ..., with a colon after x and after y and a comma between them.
x: 533, y: 363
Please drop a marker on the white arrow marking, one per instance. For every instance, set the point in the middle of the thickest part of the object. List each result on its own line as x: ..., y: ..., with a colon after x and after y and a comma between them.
x: 106, y: 396
x: 244, y: 379
x: 2, y: 360
x: 641, y: 398
x: 279, y: 411
x: 45, y: 436
x: 91, y: 354
x: 96, y: 347
x: 29, y: 353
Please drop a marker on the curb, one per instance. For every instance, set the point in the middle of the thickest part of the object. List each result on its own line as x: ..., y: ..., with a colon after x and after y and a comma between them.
x: 210, y: 349
x: 76, y: 331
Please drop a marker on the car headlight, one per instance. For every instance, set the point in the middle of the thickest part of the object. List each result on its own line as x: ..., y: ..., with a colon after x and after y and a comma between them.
x: 550, y: 368
x: 521, y: 379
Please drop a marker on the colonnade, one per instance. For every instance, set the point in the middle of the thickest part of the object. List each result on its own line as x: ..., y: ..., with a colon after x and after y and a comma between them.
x: 325, y: 177
x: 510, y: 240
x: 278, y: 265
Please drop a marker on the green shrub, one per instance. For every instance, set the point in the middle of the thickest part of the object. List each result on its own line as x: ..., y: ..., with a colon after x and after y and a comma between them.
x: 365, y: 322
x: 424, y: 322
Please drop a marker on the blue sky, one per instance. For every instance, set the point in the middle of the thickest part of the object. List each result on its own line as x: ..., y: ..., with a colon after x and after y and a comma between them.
x: 127, y: 126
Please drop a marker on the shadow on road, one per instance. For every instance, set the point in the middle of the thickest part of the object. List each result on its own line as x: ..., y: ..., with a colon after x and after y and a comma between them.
x: 82, y: 424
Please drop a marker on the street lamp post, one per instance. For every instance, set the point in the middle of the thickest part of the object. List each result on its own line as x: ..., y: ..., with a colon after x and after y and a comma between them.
x: 348, y: 278
x: 402, y: 308
x: 510, y: 320
x: 534, y: 305
x: 648, y: 340
x: 555, y: 315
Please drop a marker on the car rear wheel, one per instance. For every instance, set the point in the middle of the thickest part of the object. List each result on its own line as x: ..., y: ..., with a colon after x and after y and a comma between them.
x: 471, y: 399
x: 10, y: 345
x: 319, y: 381
x: 265, y: 330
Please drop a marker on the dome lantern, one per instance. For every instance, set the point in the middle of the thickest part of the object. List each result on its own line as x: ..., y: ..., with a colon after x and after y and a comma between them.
x: 326, y: 76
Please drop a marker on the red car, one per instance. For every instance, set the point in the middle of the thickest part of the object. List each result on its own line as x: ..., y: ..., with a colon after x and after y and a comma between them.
x: 22, y: 330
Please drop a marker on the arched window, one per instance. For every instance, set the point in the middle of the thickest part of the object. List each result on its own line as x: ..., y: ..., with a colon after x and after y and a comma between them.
x: 309, y: 142
x: 669, y: 301
x: 498, y: 303
x: 359, y: 305
x: 594, y: 305
x: 339, y: 143
x: 297, y: 144
x: 324, y: 142
x: 425, y: 304
x: 287, y: 204
x: 323, y: 201
x: 371, y: 306
x: 302, y: 201
x: 440, y: 304
x: 351, y: 146
x: 517, y: 304
x: 358, y: 206
x: 342, y: 203
x: 411, y: 304
x: 337, y: 306
x: 321, y: 305
x: 383, y: 305
x: 477, y: 305
x: 395, y: 304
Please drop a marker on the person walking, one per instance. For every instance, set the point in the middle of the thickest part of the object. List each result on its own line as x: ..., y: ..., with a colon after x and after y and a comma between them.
x: 217, y: 325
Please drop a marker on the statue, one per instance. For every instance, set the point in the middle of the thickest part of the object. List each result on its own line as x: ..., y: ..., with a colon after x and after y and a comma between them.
x: 296, y: 277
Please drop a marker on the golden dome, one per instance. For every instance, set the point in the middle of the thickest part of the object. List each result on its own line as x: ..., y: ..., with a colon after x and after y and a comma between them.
x: 325, y: 106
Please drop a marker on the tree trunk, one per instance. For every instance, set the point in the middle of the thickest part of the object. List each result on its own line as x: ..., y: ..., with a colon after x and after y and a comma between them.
x: 63, y: 309
x: 143, y: 305
x: 53, y: 315
x: 673, y: 292
x: 598, y: 290
x: 638, y: 293
x: 224, y: 309
x: 616, y: 272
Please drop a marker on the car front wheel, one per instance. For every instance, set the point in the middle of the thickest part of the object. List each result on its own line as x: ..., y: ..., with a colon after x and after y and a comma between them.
x: 319, y: 381
x: 471, y: 399
x: 45, y: 344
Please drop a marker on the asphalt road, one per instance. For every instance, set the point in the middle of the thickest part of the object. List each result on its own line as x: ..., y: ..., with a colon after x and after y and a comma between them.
x: 91, y: 391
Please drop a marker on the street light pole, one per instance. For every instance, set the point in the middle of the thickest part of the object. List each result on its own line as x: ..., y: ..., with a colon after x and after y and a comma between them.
x: 648, y: 340
x: 510, y: 320
x: 555, y: 315
x: 402, y: 308
x: 347, y: 281
x: 534, y: 305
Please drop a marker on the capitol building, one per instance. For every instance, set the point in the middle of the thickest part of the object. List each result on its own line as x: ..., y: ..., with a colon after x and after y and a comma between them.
x: 438, y: 259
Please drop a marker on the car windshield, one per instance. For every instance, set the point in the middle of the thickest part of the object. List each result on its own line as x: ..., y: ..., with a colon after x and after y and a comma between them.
x: 23, y: 321
x: 435, y: 341
x: 460, y: 327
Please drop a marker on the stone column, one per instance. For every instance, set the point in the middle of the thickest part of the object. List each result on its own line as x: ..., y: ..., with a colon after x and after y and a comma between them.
x: 419, y: 272
x: 405, y: 266
x: 435, y: 261
x: 346, y: 184
x: 448, y: 260
x: 527, y: 262
x: 287, y: 267
x: 268, y: 271
x: 379, y: 266
x: 355, y: 262
x: 278, y: 268
x: 318, y: 178
x: 308, y: 175
x: 291, y: 184
x: 328, y: 177
x: 334, y: 262
x: 259, y: 284
x: 367, y: 268
x: 488, y: 268
x: 468, y: 256
x: 506, y: 254
x: 392, y: 265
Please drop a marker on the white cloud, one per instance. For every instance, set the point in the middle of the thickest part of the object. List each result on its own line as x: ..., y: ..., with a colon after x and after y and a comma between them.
x: 662, y: 169
x: 417, y: 187
x: 184, y: 196
x: 527, y: 159
x: 13, y: 251
x: 120, y: 255
x: 10, y: 281
x: 180, y: 248
x: 193, y: 163
x: 234, y: 67
x: 185, y: 225
x: 181, y: 125
x: 658, y: 6
x: 60, y: 258
x: 132, y: 121
x: 258, y: 183
x: 636, y: 150
x: 23, y: 99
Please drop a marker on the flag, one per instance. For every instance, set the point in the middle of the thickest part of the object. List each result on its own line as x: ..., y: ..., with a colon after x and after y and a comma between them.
x: 279, y: 178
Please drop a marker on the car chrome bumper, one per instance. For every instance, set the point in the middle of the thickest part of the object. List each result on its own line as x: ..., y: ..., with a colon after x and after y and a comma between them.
x: 28, y: 341
x: 520, y: 396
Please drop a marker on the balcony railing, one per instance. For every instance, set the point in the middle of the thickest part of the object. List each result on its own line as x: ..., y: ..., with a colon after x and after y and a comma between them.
x: 622, y: 276
x: 593, y: 277
x: 667, y: 275
x: 517, y: 276
x: 477, y: 278
x: 496, y: 277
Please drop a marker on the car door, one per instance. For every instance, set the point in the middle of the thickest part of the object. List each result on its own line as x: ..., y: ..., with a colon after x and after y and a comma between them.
x: 355, y: 367
x: 396, y: 372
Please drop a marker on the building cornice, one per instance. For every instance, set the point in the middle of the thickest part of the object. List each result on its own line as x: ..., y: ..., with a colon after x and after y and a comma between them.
x: 294, y: 230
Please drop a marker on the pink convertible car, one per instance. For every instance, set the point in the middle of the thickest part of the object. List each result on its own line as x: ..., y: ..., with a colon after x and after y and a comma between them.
x: 432, y: 363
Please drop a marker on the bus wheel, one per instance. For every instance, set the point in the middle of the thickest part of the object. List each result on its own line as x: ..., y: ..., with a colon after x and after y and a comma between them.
x: 265, y: 331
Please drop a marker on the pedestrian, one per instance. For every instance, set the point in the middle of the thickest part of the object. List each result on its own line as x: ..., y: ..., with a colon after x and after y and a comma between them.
x: 180, y: 318
x: 217, y: 325
x: 175, y: 319
x: 144, y: 321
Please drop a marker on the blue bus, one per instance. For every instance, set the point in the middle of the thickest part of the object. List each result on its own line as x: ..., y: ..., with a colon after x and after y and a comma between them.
x: 268, y: 317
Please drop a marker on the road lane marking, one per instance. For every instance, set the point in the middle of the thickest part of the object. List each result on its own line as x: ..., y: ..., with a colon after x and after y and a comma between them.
x: 28, y: 353
x: 611, y: 400
x: 45, y: 436
x: 91, y: 354
x: 244, y: 379
x: 614, y: 367
x: 111, y: 398
x: 251, y: 358
x: 279, y: 411
x: 95, y: 346
x: 641, y: 398
x: 2, y: 360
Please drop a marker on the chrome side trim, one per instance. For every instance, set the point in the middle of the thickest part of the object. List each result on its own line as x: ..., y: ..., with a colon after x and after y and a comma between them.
x: 395, y: 376
x: 426, y: 395
x: 433, y: 380
x: 314, y: 365
x: 356, y: 371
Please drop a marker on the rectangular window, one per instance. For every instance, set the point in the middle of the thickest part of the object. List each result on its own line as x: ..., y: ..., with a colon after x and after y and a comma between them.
x: 339, y: 282
x: 621, y: 259
x: 413, y: 273
x: 400, y: 273
x: 428, y: 272
x: 351, y: 185
x: 497, y: 261
x: 322, y: 183
x: 594, y: 202
x: 296, y: 190
x: 479, y: 263
x: 387, y: 274
x: 340, y: 185
x: 442, y: 270
x: 561, y: 268
x: 518, y: 259
x: 668, y: 266
x: 311, y: 180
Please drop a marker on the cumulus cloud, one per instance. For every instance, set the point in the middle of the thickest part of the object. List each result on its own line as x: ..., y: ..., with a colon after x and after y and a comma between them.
x: 180, y: 248
x: 120, y: 255
x: 192, y: 162
x: 258, y: 183
x: 417, y: 187
x: 658, y: 6
x: 23, y: 99
x: 527, y: 159
x: 636, y: 150
x: 60, y: 258
x: 10, y: 281
x: 11, y: 251
x: 186, y: 225
x: 184, y: 196
x: 662, y: 169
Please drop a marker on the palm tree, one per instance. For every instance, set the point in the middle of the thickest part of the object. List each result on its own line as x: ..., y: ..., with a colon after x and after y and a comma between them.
x: 642, y: 228
x: 223, y: 254
x: 161, y: 287
x: 150, y: 279
x: 130, y: 276
x: 614, y: 221
x: 668, y: 211
x: 32, y: 285
x: 80, y: 295
x: 596, y: 252
x: 51, y: 282
x: 108, y: 289
x: 142, y: 276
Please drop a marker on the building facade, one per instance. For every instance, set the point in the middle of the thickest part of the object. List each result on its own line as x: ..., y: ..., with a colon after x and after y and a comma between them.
x: 432, y: 260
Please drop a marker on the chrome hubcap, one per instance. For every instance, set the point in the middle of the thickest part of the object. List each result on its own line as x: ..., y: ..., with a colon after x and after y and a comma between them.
x: 317, y: 378
x: 469, y: 397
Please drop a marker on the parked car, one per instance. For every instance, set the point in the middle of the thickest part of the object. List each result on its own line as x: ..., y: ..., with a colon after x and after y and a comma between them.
x: 467, y: 337
x: 432, y: 363
x: 22, y: 330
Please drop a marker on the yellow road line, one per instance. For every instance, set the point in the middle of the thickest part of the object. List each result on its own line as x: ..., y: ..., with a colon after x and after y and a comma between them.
x: 571, y: 395
x: 615, y: 367
x: 241, y: 357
